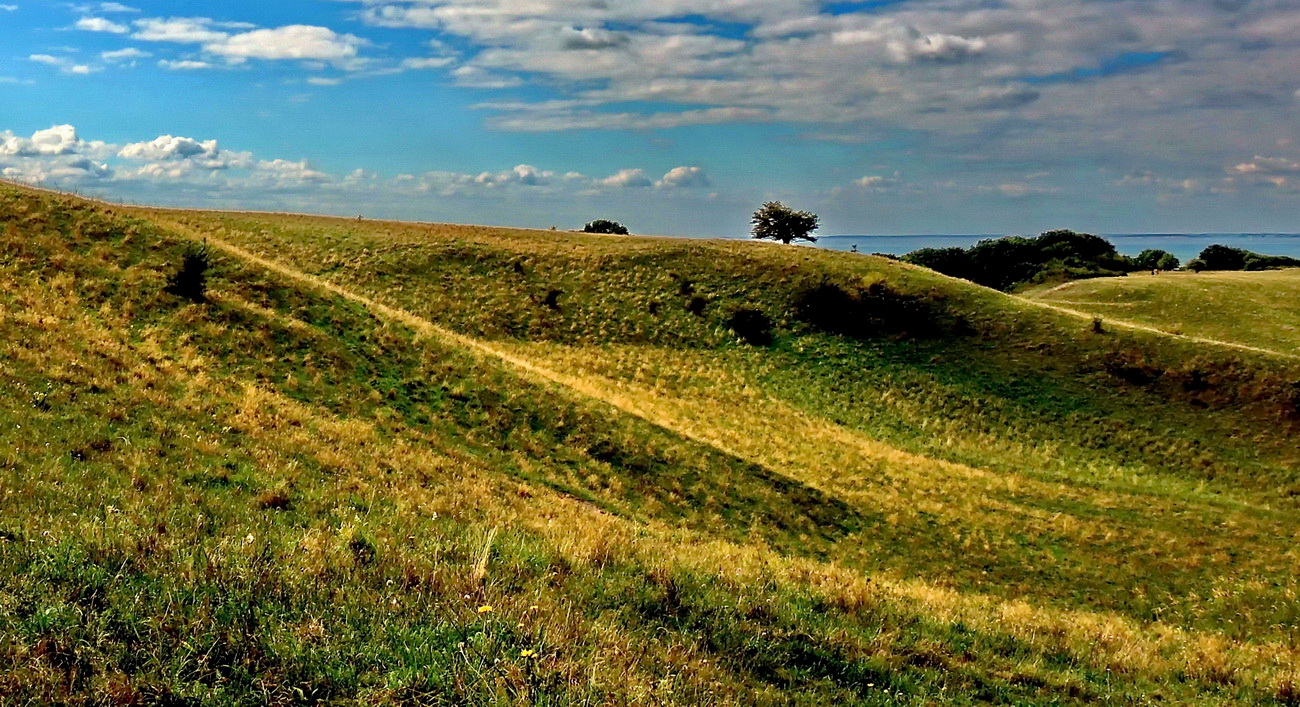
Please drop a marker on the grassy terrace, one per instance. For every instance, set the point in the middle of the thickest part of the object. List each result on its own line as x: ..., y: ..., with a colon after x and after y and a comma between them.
x: 1251, y: 308
x: 393, y: 463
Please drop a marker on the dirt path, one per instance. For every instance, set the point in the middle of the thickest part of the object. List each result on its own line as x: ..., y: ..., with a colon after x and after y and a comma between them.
x: 427, y: 328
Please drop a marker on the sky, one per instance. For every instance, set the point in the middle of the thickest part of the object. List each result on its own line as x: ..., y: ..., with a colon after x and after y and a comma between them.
x: 676, y: 117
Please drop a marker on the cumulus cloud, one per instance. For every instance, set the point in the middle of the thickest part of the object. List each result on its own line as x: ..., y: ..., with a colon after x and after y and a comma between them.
x: 127, y: 54
x: 289, y: 42
x: 627, y: 179
x: 106, y: 8
x: 63, y: 64
x: 436, y: 62
x: 184, y: 64
x: 55, y: 141
x: 683, y: 177
x: 237, y: 42
x: 206, y: 154
x: 183, y: 30
x: 99, y: 24
x: 523, y: 174
x: 56, y: 153
x: 1278, y: 172
x: 289, y: 174
x: 1267, y: 166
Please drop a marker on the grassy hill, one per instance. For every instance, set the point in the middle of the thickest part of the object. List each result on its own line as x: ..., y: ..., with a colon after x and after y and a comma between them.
x: 1250, y: 308
x: 394, y: 463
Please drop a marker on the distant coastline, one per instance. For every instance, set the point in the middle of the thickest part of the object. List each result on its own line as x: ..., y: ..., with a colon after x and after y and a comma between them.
x: 1183, y: 245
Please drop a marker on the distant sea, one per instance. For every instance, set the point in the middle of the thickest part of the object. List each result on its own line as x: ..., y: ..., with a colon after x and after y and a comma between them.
x: 1184, y: 245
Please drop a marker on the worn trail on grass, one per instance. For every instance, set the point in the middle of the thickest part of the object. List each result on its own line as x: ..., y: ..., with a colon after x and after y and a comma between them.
x: 1154, y: 330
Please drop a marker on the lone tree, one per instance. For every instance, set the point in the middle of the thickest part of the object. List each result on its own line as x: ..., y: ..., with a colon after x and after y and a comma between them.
x: 778, y: 222
x: 605, y: 226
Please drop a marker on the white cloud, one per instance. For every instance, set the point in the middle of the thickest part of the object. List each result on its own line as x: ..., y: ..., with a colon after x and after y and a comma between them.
x: 206, y: 154
x: 58, y: 140
x: 56, y: 153
x: 126, y: 54
x: 8, y: 8
x: 684, y: 177
x: 1267, y: 166
x: 104, y: 8
x: 627, y: 179
x: 184, y: 65
x: 436, y: 62
x: 182, y: 30
x: 289, y: 42
x: 526, y: 175
x: 99, y: 24
x: 288, y: 174
x: 206, y: 172
x: 238, y: 42
x: 63, y: 64
x: 475, y: 77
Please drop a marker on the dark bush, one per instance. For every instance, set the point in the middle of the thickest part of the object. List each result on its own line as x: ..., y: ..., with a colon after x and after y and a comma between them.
x: 696, y: 306
x: 605, y: 226
x: 1005, y: 263
x: 191, y: 281
x: 1222, y: 257
x: 752, y: 326
x: 863, y: 312
x: 955, y: 262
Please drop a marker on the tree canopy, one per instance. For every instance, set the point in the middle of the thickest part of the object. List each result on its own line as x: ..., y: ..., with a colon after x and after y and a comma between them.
x: 1156, y: 259
x: 778, y: 222
x: 601, y: 225
x: 1222, y: 257
x: 1007, y: 263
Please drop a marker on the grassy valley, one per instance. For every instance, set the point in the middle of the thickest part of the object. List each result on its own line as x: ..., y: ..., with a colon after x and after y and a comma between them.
x: 392, y: 463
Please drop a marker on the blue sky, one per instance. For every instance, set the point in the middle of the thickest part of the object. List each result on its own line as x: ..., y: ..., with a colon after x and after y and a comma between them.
x: 672, y: 116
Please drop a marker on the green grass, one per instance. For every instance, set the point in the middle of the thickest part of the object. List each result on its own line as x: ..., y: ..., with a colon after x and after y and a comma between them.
x: 1250, y: 308
x: 292, y: 494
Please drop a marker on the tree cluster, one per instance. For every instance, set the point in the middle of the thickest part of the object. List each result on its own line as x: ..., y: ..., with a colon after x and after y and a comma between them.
x: 1222, y: 257
x: 601, y: 225
x: 1007, y: 263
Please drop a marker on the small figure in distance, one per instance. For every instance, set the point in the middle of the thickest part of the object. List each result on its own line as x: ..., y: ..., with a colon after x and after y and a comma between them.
x: 854, y: 249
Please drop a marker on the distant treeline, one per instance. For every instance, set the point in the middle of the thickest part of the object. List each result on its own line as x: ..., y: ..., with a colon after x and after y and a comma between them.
x: 1056, y: 256
x: 1222, y: 257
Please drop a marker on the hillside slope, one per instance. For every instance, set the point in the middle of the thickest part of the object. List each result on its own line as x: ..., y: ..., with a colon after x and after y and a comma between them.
x: 1250, y: 308
x: 392, y: 462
